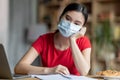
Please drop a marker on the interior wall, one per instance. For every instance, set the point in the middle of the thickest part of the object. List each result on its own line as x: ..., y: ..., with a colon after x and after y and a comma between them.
x: 22, y: 15
x: 4, y: 22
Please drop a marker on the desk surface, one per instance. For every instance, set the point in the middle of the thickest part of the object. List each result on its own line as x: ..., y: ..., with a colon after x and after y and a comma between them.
x: 92, y: 76
x: 98, y: 78
x: 28, y: 79
x: 39, y: 79
x: 23, y: 79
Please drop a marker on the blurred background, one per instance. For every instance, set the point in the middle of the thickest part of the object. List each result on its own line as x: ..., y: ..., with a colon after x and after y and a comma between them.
x: 23, y: 21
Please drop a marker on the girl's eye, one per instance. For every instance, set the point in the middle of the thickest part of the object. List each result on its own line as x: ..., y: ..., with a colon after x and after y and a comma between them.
x: 68, y: 18
x: 77, y: 24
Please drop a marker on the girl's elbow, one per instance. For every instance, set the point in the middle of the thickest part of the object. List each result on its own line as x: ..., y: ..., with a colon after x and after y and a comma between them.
x: 16, y: 69
x: 85, y: 72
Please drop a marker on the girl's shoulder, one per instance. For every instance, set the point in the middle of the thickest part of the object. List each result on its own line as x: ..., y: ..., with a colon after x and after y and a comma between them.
x: 83, y: 38
x: 47, y: 35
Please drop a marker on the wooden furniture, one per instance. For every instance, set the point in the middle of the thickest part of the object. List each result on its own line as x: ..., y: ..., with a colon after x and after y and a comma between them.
x: 28, y: 79
x: 23, y: 79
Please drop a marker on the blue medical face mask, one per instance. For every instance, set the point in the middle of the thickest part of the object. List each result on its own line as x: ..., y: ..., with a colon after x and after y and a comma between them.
x: 67, y: 28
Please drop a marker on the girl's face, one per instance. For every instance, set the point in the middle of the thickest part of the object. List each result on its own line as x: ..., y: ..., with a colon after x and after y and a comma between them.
x: 74, y: 17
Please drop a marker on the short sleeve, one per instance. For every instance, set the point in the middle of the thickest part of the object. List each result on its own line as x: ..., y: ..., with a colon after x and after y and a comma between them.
x: 38, y: 44
x: 84, y: 43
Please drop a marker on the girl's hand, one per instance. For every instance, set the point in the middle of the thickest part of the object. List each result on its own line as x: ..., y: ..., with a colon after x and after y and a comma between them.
x: 60, y: 69
x: 79, y: 34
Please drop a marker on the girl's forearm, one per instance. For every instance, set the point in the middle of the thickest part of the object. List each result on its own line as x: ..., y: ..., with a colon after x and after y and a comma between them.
x: 79, y: 60
x: 29, y: 69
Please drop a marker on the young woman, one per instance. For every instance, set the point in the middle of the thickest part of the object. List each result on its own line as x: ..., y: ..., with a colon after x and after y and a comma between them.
x: 67, y: 51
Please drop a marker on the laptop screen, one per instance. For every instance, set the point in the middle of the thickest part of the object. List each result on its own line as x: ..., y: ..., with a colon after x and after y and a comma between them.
x: 5, y: 72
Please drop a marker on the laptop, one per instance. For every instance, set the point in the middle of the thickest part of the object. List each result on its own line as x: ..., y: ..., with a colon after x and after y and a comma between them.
x: 5, y: 72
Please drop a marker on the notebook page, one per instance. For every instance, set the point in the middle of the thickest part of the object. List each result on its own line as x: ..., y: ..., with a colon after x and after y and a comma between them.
x: 61, y: 77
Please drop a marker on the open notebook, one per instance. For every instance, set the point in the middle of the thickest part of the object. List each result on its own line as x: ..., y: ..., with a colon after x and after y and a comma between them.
x: 61, y: 77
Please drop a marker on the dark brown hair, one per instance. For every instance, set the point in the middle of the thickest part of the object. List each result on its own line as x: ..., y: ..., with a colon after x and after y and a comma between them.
x: 76, y: 7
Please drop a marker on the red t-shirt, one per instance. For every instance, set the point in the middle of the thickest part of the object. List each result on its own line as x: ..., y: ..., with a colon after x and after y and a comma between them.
x: 51, y: 57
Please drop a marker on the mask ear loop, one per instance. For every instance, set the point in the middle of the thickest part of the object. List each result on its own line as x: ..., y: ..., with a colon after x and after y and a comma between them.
x: 80, y: 29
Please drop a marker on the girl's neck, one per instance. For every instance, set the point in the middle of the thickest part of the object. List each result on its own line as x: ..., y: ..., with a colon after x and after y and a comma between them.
x: 61, y: 42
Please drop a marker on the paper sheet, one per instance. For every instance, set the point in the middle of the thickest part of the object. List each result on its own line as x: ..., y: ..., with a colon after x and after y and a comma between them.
x: 61, y: 77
